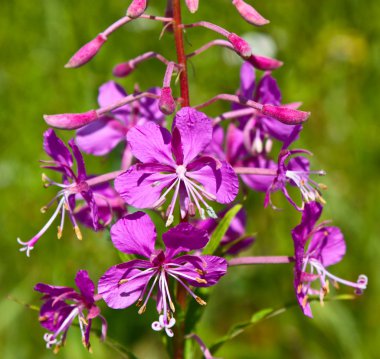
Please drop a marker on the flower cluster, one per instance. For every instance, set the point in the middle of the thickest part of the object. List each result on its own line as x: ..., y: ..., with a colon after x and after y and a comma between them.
x: 186, y: 169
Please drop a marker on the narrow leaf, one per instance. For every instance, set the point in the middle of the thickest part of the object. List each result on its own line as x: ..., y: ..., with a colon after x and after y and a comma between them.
x: 221, y: 230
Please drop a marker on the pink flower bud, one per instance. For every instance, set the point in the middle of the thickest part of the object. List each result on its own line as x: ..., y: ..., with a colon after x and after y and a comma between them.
x: 87, y: 52
x: 264, y: 63
x: 71, y: 121
x: 240, y: 45
x: 166, y: 102
x: 249, y: 14
x: 285, y: 115
x: 192, y: 5
x: 123, y: 69
x: 136, y: 8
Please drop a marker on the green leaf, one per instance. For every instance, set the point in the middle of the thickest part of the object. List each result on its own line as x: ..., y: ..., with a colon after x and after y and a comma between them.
x: 126, y: 257
x: 221, y: 230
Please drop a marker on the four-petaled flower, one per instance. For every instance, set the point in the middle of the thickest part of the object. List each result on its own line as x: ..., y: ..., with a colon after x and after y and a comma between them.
x: 295, y: 170
x: 134, y: 281
x: 63, y: 304
x: 73, y: 186
x: 172, y: 162
x: 326, y: 247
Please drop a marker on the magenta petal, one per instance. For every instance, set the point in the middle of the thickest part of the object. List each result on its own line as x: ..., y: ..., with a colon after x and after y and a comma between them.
x: 151, y: 143
x: 101, y: 136
x: 134, y: 234
x: 184, y: 238
x: 247, y: 80
x: 214, y: 268
x: 56, y: 149
x: 142, y: 190
x: 111, y: 92
x: 195, y: 129
x: 85, y: 285
x: 117, y: 295
x: 328, y: 246
x: 223, y: 183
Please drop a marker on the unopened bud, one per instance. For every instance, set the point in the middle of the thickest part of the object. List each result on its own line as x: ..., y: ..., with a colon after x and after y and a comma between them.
x: 264, y: 63
x: 71, y: 121
x: 240, y: 45
x: 136, y: 8
x: 192, y: 5
x: 123, y: 69
x: 166, y: 102
x: 86, y: 52
x: 249, y: 14
x: 285, y: 115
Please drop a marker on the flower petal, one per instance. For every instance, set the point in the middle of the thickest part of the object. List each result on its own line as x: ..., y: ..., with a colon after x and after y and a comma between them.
x: 101, y: 136
x: 195, y: 129
x: 117, y: 295
x: 151, y: 143
x: 142, y: 190
x: 328, y: 246
x: 56, y: 149
x: 112, y: 92
x: 85, y: 285
x: 223, y: 182
x: 184, y: 238
x: 134, y: 234
x: 214, y: 268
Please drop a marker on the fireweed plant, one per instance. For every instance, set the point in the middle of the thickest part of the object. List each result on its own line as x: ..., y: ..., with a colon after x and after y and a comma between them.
x: 181, y: 172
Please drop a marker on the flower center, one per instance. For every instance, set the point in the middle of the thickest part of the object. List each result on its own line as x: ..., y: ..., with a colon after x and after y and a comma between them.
x: 181, y: 171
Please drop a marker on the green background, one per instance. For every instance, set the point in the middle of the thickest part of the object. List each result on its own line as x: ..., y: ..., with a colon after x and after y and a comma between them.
x: 331, y: 51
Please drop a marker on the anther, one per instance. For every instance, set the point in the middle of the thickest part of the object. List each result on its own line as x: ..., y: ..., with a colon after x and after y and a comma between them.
x: 142, y: 309
x: 78, y: 233
x: 59, y: 232
x: 200, y: 280
x: 200, y: 301
x: 122, y: 281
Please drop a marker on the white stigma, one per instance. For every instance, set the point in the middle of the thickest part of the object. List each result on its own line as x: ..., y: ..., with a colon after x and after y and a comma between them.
x: 181, y: 172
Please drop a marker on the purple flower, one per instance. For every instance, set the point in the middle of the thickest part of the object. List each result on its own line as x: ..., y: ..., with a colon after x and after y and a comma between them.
x: 134, y: 281
x: 235, y: 240
x: 102, y: 136
x: 295, y: 170
x: 326, y: 247
x: 171, y: 162
x: 259, y: 131
x: 63, y: 304
x: 73, y: 186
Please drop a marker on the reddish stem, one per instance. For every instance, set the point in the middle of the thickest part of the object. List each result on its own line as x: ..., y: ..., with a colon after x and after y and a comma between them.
x: 181, y: 56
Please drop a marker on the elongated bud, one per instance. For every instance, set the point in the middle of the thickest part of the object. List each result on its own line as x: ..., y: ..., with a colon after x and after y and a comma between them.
x: 86, y: 52
x: 192, y: 5
x: 136, y: 8
x: 123, y: 69
x: 264, y: 63
x: 166, y: 102
x: 71, y: 121
x: 240, y: 45
x: 249, y: 14
x: 285, y: 115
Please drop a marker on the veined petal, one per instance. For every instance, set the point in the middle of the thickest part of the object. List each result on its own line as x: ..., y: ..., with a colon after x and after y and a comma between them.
x: 134, y: 234
x: 214, y: 268
x: 56, y: 149
x: 184, y: 238
x: 142, y: 190
x: 195, y: 129
x: 85, y: 285
x: 328, y: 246
x: 112, y: 92
x: 81, y: 168
x: 151, y: 143
x: 123, y: 295
x: 101, y: 136
x: 223, y: 182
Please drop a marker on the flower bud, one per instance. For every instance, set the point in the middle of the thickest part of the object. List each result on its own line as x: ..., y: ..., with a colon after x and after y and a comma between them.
x: 86, y: 52
x: 136, y: 8
x: 123, y: 69
x: 240, y: 45
x: 166, y: 102
x: 264, y: 63
x: 71, y: 121
x: 192, y: 5
x: 249, y: 14
x: 285, y: 115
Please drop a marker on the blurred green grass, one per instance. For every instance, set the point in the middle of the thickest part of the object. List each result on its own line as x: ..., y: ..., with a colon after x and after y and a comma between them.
x: 332, y: 63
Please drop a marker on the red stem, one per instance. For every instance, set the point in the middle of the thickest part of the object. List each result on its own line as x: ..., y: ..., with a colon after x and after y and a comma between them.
x: 181, y: 56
